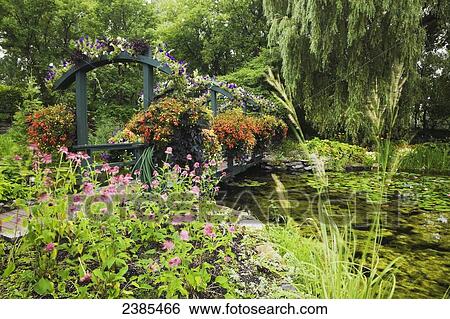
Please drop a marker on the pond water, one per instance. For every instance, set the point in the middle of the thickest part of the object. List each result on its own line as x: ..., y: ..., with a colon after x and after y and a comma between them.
x: 415, y: 217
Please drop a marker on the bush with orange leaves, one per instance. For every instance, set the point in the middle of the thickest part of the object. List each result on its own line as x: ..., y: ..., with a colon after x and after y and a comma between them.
x: 51, y: 127
x: 242, y: 134
x: 178, y: 123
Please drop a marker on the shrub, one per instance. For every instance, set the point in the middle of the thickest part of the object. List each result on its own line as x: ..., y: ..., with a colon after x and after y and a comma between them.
x: 52, y: 127
x: 10, y: 100
x: 235, y: 131
x: 175, y: 123
x: 427, y: 157
x: 268, y: 131
x: 242, y: 134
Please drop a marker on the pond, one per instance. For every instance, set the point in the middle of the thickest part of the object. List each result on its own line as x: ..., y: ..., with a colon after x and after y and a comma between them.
x: 415, y: 217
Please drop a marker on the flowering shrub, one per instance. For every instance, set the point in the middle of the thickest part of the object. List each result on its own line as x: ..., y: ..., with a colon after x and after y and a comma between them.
x: 268, y: 131
x: 242, y: 134
x: 51, y: 127
x: 178, y: 123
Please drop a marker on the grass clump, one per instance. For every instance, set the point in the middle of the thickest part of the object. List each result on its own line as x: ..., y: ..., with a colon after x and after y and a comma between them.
x: 427, y: 158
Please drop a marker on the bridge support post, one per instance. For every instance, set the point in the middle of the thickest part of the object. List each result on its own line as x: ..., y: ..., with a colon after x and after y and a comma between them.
x: 148, y: 85
x: 81, y: 112
x: 214, y: 102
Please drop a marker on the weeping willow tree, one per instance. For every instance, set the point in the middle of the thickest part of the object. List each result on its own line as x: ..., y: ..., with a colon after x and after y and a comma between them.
x: 335, y: 52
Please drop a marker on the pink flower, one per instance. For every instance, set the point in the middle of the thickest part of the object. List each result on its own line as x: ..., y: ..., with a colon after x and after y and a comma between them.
x: 71, y: 156
x: 196, y: 191
x: 177, y: 169
x: 205, y: 165
x: 168, y: 245
x: 83, y: 155
x: 88, y: 188
x: 106, y: 167
x: 189, y: 157
x: 43, y: 197
x: 184, y: 235
x: 155, y: 173
x: 154, y: 183
x: 137, y: 172
x: 17, y: 158
x: 217, y: 189
x: 227, y: 259
x: 168, y: 151
x: 33, y: 147
x: 49, y: 247
x: 114, y: 170
x: 145, y: 187
x: 76, y: 198
x: 196, y: 164
x: 232, y: 229
x: 164, y: 197
x: 63, y: 150
x: 46, y: 158
x: 213, y: 163
x: 86, y: 278
x: 176, y: 261
x: 208, y: 230
x: 197, y: 179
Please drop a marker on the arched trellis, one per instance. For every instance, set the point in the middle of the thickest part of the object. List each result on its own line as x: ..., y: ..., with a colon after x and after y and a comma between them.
x: 78, y: 74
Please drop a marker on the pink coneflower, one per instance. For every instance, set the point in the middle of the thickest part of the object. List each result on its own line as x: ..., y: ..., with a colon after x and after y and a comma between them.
x: 106, y: 167
x: 71, y: 156
x: 43, y: 197
x: 46, y: 158
x: 168, y: 245
x: 184, y: 235
x: 145, y: 187
x: 114, y: 170
x: 177, y: 169
x: 208, y: 230
x: 155, y: 174
x: 49, y: 247
x: 196, y: 165
x: 232, y: 229
x: 83, y: 155
x: 227, y: 259
x: 189, y: 157
x: 33, y: 147
x: 216, y: 189
x: 213, y: 163
x: 17, y: 158
x: 176, y: 261
x: 164, y: 197
x: 88, y: 188
x: 168, y: 151
x: 196, y: 191
x: 76, y: 198
x: 86, y: 278
x: 154, y: 183
x: 63, y: 150
x: 205, y: 165
x: 137, y: 172
x: 197, y: 179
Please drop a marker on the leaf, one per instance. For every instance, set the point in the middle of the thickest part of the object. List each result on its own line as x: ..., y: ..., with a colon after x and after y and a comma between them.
x: 44, y: 287
x: 9, y: 269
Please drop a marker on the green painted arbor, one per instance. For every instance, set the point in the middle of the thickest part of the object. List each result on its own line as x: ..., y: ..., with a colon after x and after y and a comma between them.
x: 78, y: 74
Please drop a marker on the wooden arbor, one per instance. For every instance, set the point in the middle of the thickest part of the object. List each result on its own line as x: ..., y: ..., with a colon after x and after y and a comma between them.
x: 78, y: 74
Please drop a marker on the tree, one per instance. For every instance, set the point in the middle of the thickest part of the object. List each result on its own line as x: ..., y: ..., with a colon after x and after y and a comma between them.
x: 214, y: 36
x: 336, y: 52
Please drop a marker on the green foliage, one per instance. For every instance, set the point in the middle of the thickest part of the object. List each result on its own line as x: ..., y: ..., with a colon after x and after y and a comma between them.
x: 335, y: 53
x: 215, y: 37
x: 337, y: 155
x: 10, y: 101
x: 427, y: 158
x: 329, y: 269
